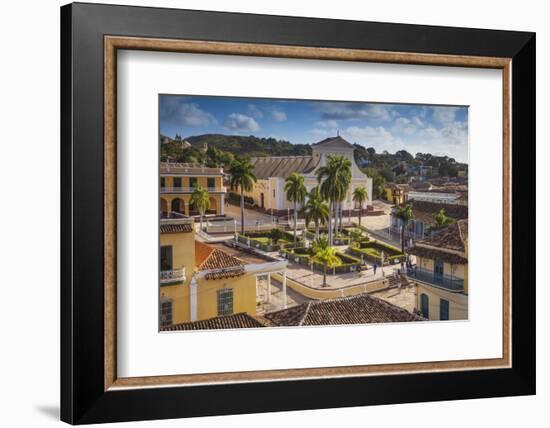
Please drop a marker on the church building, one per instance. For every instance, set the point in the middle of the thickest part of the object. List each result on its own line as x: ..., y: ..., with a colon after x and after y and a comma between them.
x: 268, y: 192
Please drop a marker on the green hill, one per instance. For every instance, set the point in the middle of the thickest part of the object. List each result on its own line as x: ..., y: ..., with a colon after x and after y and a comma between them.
x: 238, y: 145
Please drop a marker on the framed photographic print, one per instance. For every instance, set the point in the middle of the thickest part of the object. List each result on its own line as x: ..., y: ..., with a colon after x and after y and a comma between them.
x: 275, y: 213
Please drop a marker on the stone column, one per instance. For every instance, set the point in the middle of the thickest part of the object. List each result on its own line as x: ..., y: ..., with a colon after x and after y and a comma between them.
x: 268, y: 288
x: 222, y: 208
x: 193, y: 304
x: 284, y: 290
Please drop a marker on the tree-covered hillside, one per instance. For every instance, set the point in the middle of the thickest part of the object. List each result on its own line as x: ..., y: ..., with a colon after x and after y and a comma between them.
x: 237, y: 145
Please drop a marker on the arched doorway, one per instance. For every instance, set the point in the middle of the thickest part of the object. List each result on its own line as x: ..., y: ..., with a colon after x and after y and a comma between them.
x: 213, y: 206
x: 425, y: 305
x: 178, y: 206
x: 262, y: 200
x: 163, y: 207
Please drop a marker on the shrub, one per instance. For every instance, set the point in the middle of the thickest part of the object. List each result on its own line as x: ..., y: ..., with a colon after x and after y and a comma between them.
x: 372, y: 251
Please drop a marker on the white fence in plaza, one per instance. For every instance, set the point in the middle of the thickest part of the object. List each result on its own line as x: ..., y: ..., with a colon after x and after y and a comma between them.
x: 232, y: 226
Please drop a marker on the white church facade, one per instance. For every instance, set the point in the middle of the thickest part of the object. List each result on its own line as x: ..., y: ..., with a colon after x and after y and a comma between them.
x: 268, y: 192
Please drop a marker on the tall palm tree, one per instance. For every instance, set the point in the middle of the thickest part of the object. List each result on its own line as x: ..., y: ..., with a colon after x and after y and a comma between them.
x: 242, y: 177
x: 360, y: 196
x: 201, y: 201
x: 316, y: 210
x: 295, y: 192
x: 404, y: 213
x: 325, y: 255
x: 334, y: 179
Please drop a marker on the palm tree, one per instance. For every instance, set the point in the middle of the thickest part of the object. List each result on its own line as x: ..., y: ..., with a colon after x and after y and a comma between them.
x: 295, y: 192
x: 316, y: 210
x: 334, y: 179
x: 404, y: 213
x: 242, y: 177
x: 442, y: 220
x: 201, y: 201
x: 325, y: 255
x: 360, y: 196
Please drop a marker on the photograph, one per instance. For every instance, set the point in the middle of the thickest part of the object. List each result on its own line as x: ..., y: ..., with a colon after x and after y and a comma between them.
x: 301, y: 213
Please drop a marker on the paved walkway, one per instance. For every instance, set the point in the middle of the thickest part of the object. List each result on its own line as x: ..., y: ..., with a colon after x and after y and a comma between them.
x: 250, y: 216
x: 314, y: 279
x: 293, y: 298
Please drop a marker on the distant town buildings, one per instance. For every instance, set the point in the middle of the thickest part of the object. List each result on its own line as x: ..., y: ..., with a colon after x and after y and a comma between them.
x: 420, y: 226
x: 449, y: 193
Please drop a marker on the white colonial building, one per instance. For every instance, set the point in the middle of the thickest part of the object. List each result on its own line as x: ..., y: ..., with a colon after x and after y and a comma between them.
x: 268, y: 192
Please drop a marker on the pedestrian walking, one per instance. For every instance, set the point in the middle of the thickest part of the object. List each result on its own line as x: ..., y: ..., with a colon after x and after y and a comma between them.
x: 374, y: 268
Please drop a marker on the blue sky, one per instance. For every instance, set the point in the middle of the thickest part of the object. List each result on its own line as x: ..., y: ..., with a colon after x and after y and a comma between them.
x: 415, y: 128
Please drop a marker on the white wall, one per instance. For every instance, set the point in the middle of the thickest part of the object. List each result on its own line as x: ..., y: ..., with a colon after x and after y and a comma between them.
x: 29, y: 137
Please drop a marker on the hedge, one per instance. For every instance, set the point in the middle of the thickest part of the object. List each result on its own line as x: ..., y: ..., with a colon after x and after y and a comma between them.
x: 268, y: 247
x: 370, y: 251
x: 305, y: 259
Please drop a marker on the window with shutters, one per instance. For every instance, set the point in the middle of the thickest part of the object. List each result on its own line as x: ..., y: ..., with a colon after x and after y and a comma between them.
x: 165, y: 312
x: 225, y: 301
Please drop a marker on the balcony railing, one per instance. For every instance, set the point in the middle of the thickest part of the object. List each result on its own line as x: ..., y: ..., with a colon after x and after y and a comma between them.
x: 221, y: 189
x: 172, y: 276
x: 443, y: 281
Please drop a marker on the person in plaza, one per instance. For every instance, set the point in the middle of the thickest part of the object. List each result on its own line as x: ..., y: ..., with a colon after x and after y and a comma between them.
x: 374, y: 267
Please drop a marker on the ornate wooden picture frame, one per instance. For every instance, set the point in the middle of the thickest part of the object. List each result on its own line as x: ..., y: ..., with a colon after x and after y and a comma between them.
x: 91, y: 390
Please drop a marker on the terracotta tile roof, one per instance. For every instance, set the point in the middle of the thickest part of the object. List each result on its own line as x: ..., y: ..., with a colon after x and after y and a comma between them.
x: 449, y: 244
x: 359, y: 309
x: 424, y: 211
x: 176, y: 228
x: 403, y: 187
x: 282, y: 166
x: 240, y: 320
x: 434, y: 253
x: 221, y: 264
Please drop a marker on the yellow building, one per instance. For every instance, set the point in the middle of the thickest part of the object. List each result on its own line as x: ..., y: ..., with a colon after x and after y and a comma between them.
x: 179, y: 180
x: 271, y: 171
x: 441, y: 273
x: 200, y: 281
x: 396, y: 193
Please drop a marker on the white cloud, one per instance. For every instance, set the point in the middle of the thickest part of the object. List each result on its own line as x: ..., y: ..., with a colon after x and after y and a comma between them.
x: 255, y: 111
x: 354, y: 111
x: 324, y: 132
x: 444, y: 114
x: 327, y: 124
x: 417, y: 121
x: 373, y: 136
x: 454, y: 134
x: 403, y: 125
x: 187, y: 114
x: 278, y: 115
x: 240, y: 123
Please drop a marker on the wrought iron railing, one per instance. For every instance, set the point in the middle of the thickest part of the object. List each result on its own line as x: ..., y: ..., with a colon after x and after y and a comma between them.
x: 172, y: 276
x: 220, y: 189
x: 444, y: 281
